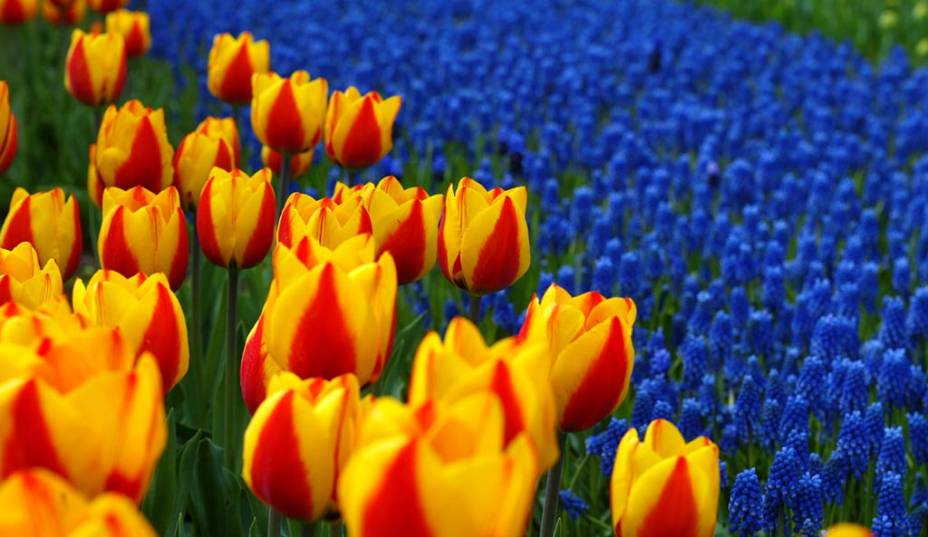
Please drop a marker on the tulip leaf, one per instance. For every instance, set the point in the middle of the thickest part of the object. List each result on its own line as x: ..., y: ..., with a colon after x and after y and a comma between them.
x: 164, y: 498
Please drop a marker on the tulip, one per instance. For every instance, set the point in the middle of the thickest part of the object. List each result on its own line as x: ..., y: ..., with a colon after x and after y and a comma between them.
x: 287, y: 113
x: 257, y: 368
x: 133, y: 27
x: 105, y: 435
x: 95, y: 67
x: 8, y: 131
x: 235, y: 220
x: 483, y: 243
x: 359, y: 129
x: 436, y: 471
x: 404, y: 223
x: 590, y: 338
x: 232, y: 62
x: 299, y: 163
x: 848, y: 530
x: 463, y: 364
x: 38, y: 503
x: 299, y: 441
x: 664, y: 485
x: 145, y: 311
x: 106, y: 6
x: 24, y: 281
x: 144, y: 232
x: 329, y: 221
x: 214, y: 144
x: 65, y: 15
x: 50, y: 223
x: 17, y: 11
x: 132, y: 148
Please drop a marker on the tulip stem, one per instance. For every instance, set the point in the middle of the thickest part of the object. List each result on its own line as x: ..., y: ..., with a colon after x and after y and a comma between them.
x: 282, y: 182
x: 196, y: 332
x: 273, y: 522
x: 475, y: 309
x: 231, y: 368
x: 552, y: 490
x: 308, y: 529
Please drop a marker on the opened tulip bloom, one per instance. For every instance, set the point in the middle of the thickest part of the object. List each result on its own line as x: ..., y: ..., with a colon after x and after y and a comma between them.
x: 298, y: 442
x: 144, y: 232
x: 17, y: 11
x: 287, y: 113
x: 232, y: 62
x: 590, y: 338
x: 483, y: 243
x: 95, y: 67
x: 214, y: 144
x: 848, y: 530
x: 299, y: 163
x: 65, y: 15
x: 359, y: 128
x: 9, y: 133
x: 133, y: 26
x: 235, y: 217
x: 24, y: 280
x: 38, y: 503
x: 145, y: 311
x: 663, y: 485
x: 330, y: 221
x: 404, y: 222
x: 49, y: 222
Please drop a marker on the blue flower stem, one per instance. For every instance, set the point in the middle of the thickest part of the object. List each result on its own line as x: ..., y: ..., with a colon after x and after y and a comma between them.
x: 552, y: 488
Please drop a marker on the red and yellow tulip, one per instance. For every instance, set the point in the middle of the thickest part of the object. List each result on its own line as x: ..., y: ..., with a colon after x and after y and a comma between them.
x: 17, y: 11
x: 38, y: 503
x: 330, y: 221
x: 106, y: 6
x: 298, y: 442
x: 214, y: 144
x: 24, y: 281
x: 590, y: 338
x: 144, y: 232
x: 145, y: 311
x: 95, y: 67
x: 359, y: 129
x: 232, y: 62
x: 133, y: 26
x: 483, y: 243
x: 664, y: 485
x: 404, y: 222
x: 9, y: 133
x: 235, y: 217
x: 257, y: 368
x: 848, y: 530
x: 299, y: 163
x: 287, y: 113
x: 49, y: 222
x: 66, y: 14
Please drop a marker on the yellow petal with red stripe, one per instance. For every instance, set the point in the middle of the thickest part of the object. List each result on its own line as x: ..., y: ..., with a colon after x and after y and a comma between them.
x: 95, y: 67
x: 132, y: 148
x: 287, y: 114
x: 50, y: 222
x: 231, y: 64
x: 24, y: 281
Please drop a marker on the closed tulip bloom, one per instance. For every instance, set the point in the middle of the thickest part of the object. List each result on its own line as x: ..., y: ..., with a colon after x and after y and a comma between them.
x: 287, y: 113
x: 144, y: 232
x: 463, y: 364
x: 359, y: 129
x: 214, y: 144
x: 235, y: 217
x: 95, y: 67
x: 298, y: 442
x: 848, y: 530
x: 24, y: 281
x: 38, y: 503
x: 133, y: 148
x: 257, y: 368
x: 68, y: 14
x: 17, y: 11
x: 404, y: 222
x: 133, y: 26
x: 664, y: 485
x: 115, y: 451
x: 331, y: 221
x: 232, y: 62
x: 483, y: 243
x: 106, y: 6
x: 9, y: 134
x: 49, y: 222
x: 590, y: 338
x: 440, y: 470
x: 145, y: 311
x: 299, y: 163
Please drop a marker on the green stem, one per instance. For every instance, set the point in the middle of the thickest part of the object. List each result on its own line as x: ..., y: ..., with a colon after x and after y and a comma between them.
x: 196, y: 324
x: 232, y: 362
x: 337, y: 529
x: 308, y: 529
x: 282, y: 182
x: 474, y: 313
x: 273, y: 522
x: 552, y: 486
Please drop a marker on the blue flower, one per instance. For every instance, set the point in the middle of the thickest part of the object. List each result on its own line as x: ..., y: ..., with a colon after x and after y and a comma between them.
x: 891, y: 518
x: 605, y: 444
x: 574, y: 505
x: 892, y: 331
x: 745, y: 504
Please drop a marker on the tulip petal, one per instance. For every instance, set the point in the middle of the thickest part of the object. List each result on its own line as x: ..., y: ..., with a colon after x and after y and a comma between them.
x: 495, y: 248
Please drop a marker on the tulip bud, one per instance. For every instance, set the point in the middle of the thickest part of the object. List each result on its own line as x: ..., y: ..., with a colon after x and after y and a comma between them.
x: 298, y: 442
x: 329, y: 221
x: 106, y: 6
x: 257, y: 367
x: 47, y: 221
x: 24, y: 281
x: 38, y: 503
x: 663, y: 485
x: 299, y: 163
x: 287, y: 113
x: 9, y: 136
x: 133, y: 27
x: 67, y: 14
x: 232, y: 62
x: 95, y: 68
x: 145, y: 311
x: 235, y: 219
x: 144, y: 232
x: 132, y: 148
x: 590, y: 338
x: 359, y: 129
x: 17, y: 11
x: 483, y: 243
x: 214, y: 144
x: 848, y: 530
x: 414, y: 472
